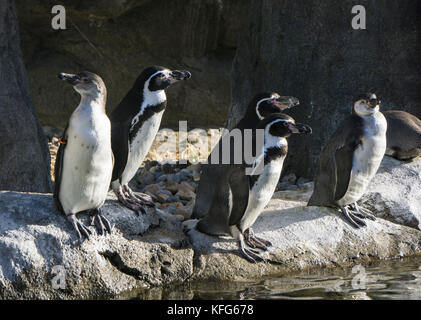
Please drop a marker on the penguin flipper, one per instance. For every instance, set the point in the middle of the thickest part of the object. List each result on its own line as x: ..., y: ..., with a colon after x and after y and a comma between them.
x: 58, y: 169
x: 335, y: 163
x: 216, y: 222
x: 205, y: 192
x: 240, y: 188
x: 120, y: 148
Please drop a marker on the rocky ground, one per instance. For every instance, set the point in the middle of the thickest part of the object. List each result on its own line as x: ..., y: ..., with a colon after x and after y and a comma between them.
x: 41, y: 257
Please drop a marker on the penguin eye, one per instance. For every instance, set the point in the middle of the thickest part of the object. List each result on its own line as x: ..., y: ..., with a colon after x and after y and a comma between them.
x: 285, y: 124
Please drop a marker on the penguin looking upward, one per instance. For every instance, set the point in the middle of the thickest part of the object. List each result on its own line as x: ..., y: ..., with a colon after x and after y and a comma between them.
x: 350, y: 160
x: 262, y: 105
x: 403, y: 135
x: 134, y: 125
x: 234, y: 211
x: 84, y: 161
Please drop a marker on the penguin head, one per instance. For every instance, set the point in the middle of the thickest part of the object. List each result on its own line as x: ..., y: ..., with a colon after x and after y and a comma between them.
x: 266, y: 103
x: 85, y: 83
x: 366, y: 104
x: 279, y: 125
x: 158, y: 78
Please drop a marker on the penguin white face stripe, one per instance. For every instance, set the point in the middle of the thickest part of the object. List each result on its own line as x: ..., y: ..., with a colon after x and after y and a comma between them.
x: 274, y: 96
x: 150, y: 98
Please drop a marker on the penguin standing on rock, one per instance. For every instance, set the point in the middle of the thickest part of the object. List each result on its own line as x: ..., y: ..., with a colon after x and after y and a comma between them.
x: 261, y: 106
x: 134, y: 125
x: 84, y: 159
x: 234, y: 211
x: 350, y: 160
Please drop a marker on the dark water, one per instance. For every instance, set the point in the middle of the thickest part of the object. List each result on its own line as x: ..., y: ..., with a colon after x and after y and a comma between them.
x: 397, y: 279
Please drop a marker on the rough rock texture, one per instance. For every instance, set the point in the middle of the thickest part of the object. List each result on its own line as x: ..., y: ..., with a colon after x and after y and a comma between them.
x: 24, y: 157
x: 34, y: 239
x: 152, y: 250
x: 303, y: 237
x: 308, y: 49
x: 117, y: 39
x: 395, y: 192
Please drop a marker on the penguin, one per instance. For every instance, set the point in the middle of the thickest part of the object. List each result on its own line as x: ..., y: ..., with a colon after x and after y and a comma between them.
x: 84, y: 161
x: 350, y: 160
x: 262, y: 105
x: 134, y: 125
x: 403, y: 135
x: 235, y: 211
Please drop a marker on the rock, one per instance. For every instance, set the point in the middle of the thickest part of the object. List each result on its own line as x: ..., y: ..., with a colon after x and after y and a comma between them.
x: 172, y: 186
x: 174, y: 198
x: 163, y: 196
x: 302, y: 181
x: 289, y: 178
x: 36, y: 242
x: 185, y: 211
x: 395, y: 192
x: 185, y: 193
x: 146, y: 177
x: 168, y: 168
x: 175, y: 204
x: 152, y: 189
x: 332, y: 69
x: 188, y: 185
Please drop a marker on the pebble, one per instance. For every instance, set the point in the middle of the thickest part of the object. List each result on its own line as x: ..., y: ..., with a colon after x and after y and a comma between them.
x: 152, y: 189
x: 289, y: 178
x: 301, y: 181
x: 146, y: 178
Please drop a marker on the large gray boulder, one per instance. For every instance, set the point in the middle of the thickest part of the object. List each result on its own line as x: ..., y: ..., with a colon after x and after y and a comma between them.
x: 38, y: 246
x: 395, y: 192
x: 308, y: 49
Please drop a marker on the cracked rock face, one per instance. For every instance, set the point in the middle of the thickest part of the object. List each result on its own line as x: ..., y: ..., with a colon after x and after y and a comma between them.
x: 41, y: 257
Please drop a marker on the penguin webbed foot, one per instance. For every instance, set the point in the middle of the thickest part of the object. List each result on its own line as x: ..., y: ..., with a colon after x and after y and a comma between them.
x: 101, y: 223
x: 252, y: 255
x: 364, y: 213
x: 355, y: 216
x: 81, y: 230
x: 125, y: 199
x: 255, y: 242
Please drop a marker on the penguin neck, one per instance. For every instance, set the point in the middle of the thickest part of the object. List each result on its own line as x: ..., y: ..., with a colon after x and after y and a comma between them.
x: 274, y: 147
x: 93, y: 101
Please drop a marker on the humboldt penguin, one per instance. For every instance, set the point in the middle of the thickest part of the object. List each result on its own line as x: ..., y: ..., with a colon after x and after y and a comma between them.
x: 84, y: 160
x: 350, y: 160
x: 403, y: 135
x: 261, y: 106
x: 234, y: 211
x: 134, y: 125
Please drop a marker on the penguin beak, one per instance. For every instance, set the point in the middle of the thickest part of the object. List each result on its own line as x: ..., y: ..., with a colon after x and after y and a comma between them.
x: 177, y: 75
x: 299, y: 128
x: 372, y: 103
x: 70, y: 78
x: 285, y: 102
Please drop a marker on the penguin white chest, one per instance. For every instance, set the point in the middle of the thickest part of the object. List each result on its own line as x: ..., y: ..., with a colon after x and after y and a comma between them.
x: 367, y: 157
x: 261, y: 192
x: 87, y: 162
x: 140, y: 145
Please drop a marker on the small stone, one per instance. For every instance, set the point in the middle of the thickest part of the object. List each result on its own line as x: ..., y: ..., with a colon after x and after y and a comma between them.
x: 188, y: 185
x: 146, y: 178
x: 152, y: 169
x: 168, y: 168
x: 157, y: 175
x: 163, y: 195
x: 172, y: 186
x: 301, y: 181
x: 179, y: 217
x: 282, y: 186
x: 290, y: 178
x: 152, y: 189
x: 173, y: 199
x: 163, y: 177
x: 185, y: 212
x: 185, y: 193
x: 175, y: 204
